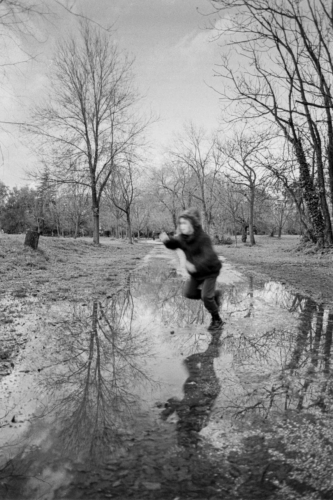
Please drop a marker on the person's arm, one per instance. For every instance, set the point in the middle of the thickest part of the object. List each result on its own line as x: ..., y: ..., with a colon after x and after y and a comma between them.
x: 170, y: 242
x: 190, y: 267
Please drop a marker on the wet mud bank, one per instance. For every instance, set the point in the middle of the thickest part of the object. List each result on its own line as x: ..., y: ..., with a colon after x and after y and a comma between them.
x: 129, y: 396
x: 300, y: 268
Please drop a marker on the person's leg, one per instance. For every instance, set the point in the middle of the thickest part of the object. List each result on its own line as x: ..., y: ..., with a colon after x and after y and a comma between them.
x: 191, y: 290
x: 218, y: 298
x: 208, y: 296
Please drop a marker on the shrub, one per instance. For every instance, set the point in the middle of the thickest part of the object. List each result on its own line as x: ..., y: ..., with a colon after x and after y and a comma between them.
x: 225, y: 240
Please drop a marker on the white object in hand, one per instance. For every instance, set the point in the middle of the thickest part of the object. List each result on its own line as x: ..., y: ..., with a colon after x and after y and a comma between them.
x: 164, y: 237
x: 190, y: 267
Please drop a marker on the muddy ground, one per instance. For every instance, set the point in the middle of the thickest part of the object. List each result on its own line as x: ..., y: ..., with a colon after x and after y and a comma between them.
x: 76, y: 271
x: 303, y: 270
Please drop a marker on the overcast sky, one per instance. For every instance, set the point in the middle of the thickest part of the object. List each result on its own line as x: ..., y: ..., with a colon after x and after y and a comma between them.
x: 174, y: 69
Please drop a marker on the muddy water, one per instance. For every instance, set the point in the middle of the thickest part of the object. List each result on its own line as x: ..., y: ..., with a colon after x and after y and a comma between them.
x: 131, y: 397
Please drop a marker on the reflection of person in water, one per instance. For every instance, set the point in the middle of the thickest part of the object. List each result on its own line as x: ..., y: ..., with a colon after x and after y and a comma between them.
x: 201, y: 389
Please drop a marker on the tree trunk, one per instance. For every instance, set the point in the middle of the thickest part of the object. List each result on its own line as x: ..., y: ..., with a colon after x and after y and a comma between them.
x: 95, y: 211
x: 244, y: 232
x: 304, y: 226
x: 174, y: 220
x: 324, y: 206
x: 280, y: 222
x: 206, y: 221
x: 235, y: 231
x: 129, y: 227
x: 252, y: 196
x: 310, y: 195
x: 31, y: 239
x: 76, y: 228
x: 96, y: 226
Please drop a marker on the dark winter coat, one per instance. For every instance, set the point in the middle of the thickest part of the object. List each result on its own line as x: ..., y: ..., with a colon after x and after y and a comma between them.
x: 199, y: 251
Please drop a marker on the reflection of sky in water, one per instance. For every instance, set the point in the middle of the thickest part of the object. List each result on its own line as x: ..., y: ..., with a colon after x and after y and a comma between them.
x: 91, y: 373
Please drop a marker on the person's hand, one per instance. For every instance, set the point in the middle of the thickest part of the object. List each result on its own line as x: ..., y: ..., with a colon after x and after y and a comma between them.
x: 190, y: 267
x: 164, y: 237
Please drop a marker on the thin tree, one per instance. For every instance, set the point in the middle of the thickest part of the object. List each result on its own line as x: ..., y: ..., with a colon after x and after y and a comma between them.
x: 91, y: 119
x: 231, y: 205
x: 173, y: 187
x: 141, y: 213
x: 123, y: 190
x: 199, y: 152
x: 75, y: 198
x: 244, y: 157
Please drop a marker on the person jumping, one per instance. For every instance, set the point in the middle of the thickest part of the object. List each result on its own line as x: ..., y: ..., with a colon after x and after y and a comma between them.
x: 202, y: 263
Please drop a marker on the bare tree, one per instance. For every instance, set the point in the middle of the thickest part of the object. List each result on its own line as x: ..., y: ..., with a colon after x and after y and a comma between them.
x: 90, y: 121
x: 245, y: 154
x: 22, y: 20
x: 17, y: 16
x: 141, y: 213
x: 174, y: 187
x: 76, y: 200
x: 123, y: 190
x: 199, y: 152
x: 232, y: 205
x: 284, y: 50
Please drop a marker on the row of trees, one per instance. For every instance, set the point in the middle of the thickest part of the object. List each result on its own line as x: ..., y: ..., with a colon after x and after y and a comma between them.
x: 90, y: 134
x: 142, y: 208
x: 228, y: 181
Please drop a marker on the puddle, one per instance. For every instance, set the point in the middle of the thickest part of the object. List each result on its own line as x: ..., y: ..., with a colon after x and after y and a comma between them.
x: 132, y: 396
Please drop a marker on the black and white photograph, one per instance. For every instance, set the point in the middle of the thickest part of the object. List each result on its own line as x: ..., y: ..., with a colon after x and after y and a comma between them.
x: 166, y: 249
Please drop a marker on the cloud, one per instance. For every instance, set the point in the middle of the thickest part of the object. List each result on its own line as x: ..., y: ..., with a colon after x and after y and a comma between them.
x: 203, y: 45
x: 195, y: 44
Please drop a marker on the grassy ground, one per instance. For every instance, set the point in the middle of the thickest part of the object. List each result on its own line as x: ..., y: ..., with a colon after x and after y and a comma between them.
x: 64, y: 268
x: 306, y: 272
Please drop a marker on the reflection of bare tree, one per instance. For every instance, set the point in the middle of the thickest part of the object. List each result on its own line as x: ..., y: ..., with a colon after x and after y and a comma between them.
x: 302, y: 381
x: 313, y: 357
x: 324, y: 399
x: 165, y: 293
x: 304, y: 332
x: 93, y: 388
x: 90, y: 386
x: 250, y: 294
x: 201, y: 389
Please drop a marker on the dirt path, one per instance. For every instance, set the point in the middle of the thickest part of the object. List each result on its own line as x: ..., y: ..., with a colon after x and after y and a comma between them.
x: 309, y: 273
